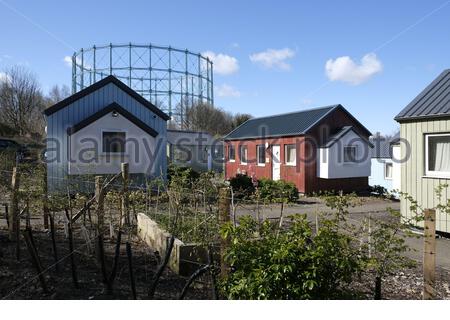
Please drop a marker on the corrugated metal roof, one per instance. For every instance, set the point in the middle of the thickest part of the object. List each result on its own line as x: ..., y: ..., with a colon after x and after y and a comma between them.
x: 294, y: 123
x: 382, y: 147
x: 432, y: 102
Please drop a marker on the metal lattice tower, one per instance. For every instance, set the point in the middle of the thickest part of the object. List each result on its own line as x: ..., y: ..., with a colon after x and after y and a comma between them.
x: 170, y: 78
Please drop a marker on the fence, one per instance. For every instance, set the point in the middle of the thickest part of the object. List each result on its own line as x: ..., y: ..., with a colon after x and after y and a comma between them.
x: 191, y: 214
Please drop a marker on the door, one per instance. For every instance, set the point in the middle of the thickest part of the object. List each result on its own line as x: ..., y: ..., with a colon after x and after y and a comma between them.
x: 276, y: 162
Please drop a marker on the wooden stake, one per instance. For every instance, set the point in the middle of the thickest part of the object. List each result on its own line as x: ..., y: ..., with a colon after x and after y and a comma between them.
x: 130, y: 268
x: 224, y: 217
x: 125, y: 197
x: 14, y: 223
x: 99, y: 196
x: 72, y: 252
x: 429, y: 255
x: 35, y: 259
x: 53, y: 233
x: 14, y: 216
x: 112, y: 276
x: 45, y: 197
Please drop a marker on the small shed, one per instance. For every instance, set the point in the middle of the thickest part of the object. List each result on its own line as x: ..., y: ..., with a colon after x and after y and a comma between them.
x: 195, y: 149
x: 317, y: 149
x: 425, y: 148
x: 385, y: 165
x: 96, y: 129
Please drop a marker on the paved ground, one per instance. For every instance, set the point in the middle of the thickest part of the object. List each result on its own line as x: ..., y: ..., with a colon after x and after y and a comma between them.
x: 376, y: 207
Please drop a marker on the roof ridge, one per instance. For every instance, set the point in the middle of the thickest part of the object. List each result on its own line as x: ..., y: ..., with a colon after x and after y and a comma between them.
x: 294, y: 112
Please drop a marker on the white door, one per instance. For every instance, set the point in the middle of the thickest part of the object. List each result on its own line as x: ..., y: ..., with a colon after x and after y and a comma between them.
x: 276, y: 163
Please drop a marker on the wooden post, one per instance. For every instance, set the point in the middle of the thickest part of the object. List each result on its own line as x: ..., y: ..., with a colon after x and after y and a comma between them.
x: 35, y: 258
x: 429, y: 255
x: 45, y: 197
x: 55, y: 253
x: 224, y: 217
x: 73, y: 266
x: 27, y: 213
x: 99, y: 196
x: 14, y: 222
x: 6, y: 214
x: 130, y: 269
x: 125, y: 198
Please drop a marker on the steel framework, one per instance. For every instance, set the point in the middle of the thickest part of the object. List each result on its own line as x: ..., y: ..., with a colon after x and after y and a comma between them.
x: 172, y: 79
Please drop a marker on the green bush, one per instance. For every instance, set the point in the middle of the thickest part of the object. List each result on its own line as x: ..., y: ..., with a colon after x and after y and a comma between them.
x: 184, y: 175
x: 277, y: 191
x: 242, y: 186
x: 290, y: 263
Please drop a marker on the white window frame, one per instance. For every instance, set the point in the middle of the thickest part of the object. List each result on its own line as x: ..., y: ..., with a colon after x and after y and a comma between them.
x: 356, y: 154
x: 429, y: 173
x: 229, y: 148
x: 291, y: 163
x: 385, y: 170
x: 240, y: 154
x: 258, y: 148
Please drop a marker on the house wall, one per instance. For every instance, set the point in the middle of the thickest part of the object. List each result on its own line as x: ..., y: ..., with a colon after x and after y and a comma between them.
x: 139, y: 149
x: 303, y: 171
x: 413, y: 180
x: 336, y: 168
x: 58, y: 122
x: 290, y: 173
x: 377, y: 177
x: 304, y: 174
x: 397, y: 171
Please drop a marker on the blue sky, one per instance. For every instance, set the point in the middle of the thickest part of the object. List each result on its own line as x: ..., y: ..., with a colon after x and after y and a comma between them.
x: 270, y: 56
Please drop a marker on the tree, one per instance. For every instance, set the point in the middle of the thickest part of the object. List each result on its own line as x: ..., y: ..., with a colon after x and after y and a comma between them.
x: 240, y: 118
x: 56, y: 94
x: 206, y: 117
x: 21, y: 101
x: 214, y: 120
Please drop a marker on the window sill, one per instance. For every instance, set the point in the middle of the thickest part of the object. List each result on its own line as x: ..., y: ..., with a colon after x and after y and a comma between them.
x: 232, y: 161
x: 261, y: 164
x: 444, y: 177
x: 243, y: 163
x: 290, y: 164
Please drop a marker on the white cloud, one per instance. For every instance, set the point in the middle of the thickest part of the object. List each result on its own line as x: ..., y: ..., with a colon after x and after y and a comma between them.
x: 223, y: 64
x: 226, y: 90
x: 4, y: 77
x: 346, y: 70
x: 272, y: 58
x: 68, y: 61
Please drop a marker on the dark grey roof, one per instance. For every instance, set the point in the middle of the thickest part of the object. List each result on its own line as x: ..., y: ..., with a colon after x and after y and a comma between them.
x: 396, y: 139
x: 294, y: 123
x: 382, y: 147
x: 432, y: 102
x: 335, y: 137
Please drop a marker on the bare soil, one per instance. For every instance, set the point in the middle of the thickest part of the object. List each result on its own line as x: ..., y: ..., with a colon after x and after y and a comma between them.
x: 18, y: 279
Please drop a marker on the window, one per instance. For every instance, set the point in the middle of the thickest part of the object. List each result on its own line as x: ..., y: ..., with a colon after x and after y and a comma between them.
x: 388, y: 170
x: 437, y: 155
x: 231, y: 153
x: 243, y: 153
x: 113, y: 142
x: 324, y: 155
x: 261, y: 154
x: 181, y: 154
x: 290, y: 153
x: 350, y: 154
